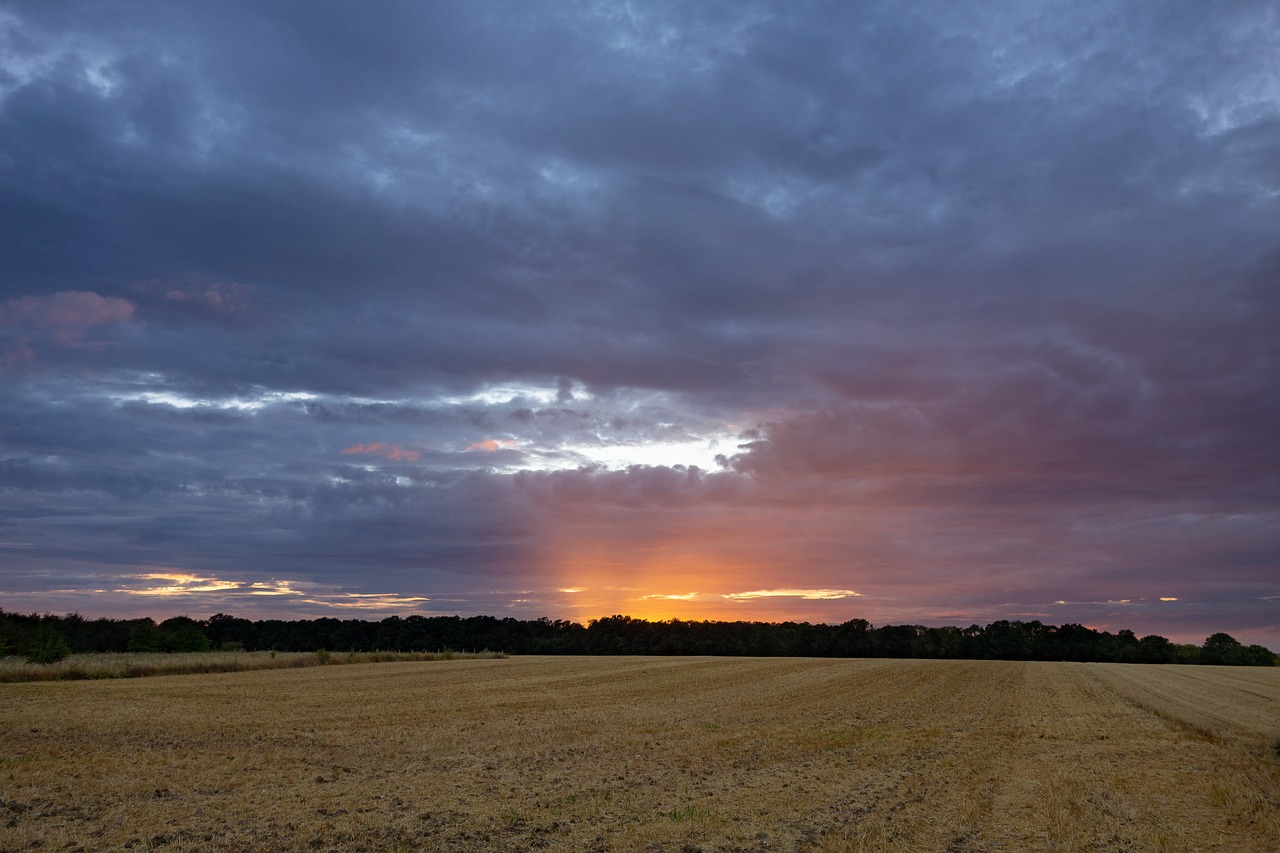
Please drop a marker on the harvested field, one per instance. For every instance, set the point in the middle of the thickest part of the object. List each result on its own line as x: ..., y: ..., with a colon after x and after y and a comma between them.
x: 648, y: 754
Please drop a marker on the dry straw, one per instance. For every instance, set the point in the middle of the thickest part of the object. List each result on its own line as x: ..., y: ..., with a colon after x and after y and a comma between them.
x: 712, y: 754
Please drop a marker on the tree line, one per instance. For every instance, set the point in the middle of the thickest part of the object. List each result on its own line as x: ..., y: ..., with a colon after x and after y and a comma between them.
x: 50, y: 637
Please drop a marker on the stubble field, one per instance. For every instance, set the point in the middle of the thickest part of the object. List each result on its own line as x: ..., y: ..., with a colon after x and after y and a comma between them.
x: 649, y: 754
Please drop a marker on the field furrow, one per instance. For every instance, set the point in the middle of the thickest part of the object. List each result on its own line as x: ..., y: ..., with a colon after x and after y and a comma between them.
x: 1223, y: 702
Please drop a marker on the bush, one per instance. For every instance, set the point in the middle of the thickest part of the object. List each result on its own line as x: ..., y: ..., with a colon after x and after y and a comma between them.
x: 143, y: 638
x: 182, y: 634
x: 48, y: 646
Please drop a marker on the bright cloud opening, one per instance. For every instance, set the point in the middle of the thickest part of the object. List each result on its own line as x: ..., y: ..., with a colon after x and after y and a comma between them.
x: 239, y: 404
x: 700, y: 452
x: 504, y: 393
x: 807, y: 594
x: 273, y: 588
x: 367, y: 601
x: 179, y: 584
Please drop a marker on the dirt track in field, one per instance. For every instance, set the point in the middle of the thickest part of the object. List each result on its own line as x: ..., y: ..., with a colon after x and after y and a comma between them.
x: 649, y: 754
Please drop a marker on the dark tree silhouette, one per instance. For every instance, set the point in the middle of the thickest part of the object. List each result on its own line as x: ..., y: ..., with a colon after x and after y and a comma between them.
x: 620, y: 634
x: 48, y: 646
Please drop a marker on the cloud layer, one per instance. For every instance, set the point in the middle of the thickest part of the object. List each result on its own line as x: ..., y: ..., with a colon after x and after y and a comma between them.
x: 716, y: 311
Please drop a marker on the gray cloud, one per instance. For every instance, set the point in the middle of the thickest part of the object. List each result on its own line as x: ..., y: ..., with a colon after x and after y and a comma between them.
x: 997, y: 272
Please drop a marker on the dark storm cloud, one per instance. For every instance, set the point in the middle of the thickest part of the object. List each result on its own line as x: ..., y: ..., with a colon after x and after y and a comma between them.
x: 291, y: 292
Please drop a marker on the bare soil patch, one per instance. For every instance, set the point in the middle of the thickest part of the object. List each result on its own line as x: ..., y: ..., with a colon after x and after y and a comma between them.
x: 646, y: 754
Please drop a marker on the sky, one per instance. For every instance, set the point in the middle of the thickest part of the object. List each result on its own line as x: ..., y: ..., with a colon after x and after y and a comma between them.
x: 916, y: 312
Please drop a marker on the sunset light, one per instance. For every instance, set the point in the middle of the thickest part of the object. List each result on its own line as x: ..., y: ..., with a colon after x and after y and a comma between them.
x: 640, y: 426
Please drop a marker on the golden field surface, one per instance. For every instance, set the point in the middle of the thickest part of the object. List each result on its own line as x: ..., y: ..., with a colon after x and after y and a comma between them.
x: 655, y: 754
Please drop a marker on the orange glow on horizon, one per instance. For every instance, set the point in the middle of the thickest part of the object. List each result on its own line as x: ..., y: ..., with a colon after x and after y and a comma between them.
x: 665, y: 586
x: 639, y: 556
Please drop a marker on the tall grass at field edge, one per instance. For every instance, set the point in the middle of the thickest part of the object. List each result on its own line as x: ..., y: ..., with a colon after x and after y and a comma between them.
x: 81, y: 667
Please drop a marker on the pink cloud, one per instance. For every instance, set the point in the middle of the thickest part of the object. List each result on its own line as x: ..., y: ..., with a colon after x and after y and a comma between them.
x: 392, y: 452
x: 492, y: 445
x: 20, y: 355
x: 66, y: 315
x: 229, y: 298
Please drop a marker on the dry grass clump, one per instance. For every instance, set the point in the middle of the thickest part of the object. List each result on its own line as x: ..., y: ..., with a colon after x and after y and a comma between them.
x: 142, y: 664
x: 645, y: 754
